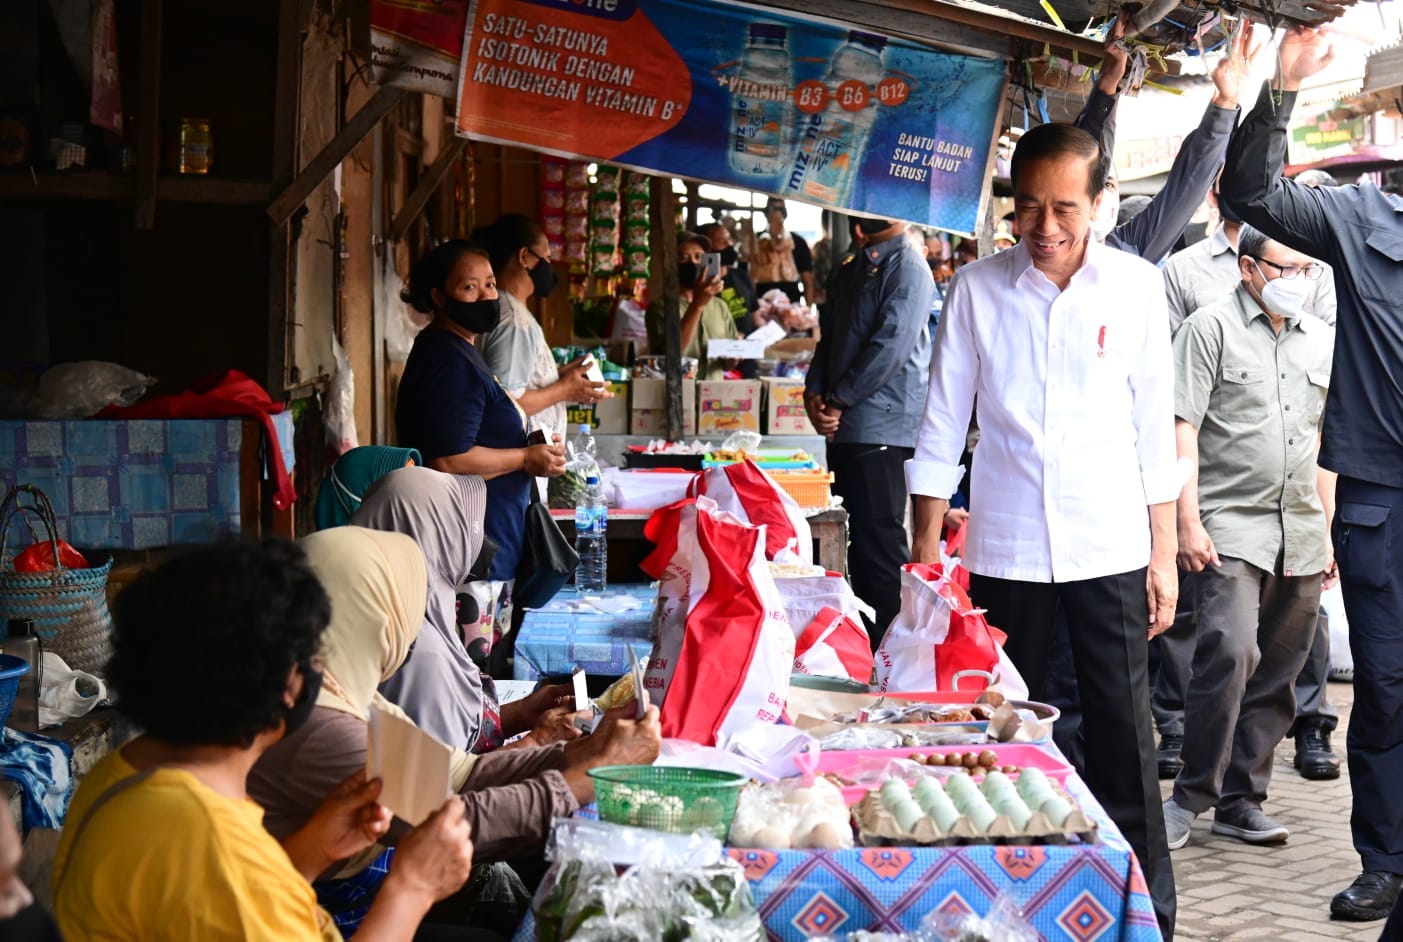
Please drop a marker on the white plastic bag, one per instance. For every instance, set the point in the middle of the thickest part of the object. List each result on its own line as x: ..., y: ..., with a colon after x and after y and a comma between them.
x: 1332, y: 605
x: 724, y: 665
x: 86, y: 387
x: 67, y: 693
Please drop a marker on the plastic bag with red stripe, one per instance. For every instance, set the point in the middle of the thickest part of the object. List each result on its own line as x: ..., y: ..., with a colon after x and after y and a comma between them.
x: 723, y: 666
x: 939, y: 633
x: 830, y: 638
x: 746, y: 491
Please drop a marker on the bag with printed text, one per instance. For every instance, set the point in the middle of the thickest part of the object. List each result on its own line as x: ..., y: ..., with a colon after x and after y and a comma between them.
x: 830, y: 639
x: 939, y: 633
x: 724, y: 650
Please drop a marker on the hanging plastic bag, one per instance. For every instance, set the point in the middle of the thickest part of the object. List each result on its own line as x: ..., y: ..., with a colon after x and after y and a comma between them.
x: 341, y: 403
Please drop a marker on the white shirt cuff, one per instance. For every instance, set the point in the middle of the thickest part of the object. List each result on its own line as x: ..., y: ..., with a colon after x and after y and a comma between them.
x: 1162, y: 483
x: 933, y: 478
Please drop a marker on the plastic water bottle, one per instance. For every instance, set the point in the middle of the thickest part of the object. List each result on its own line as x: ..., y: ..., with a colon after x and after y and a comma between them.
x: 22, y: 642
x: 584, y: 450
x: 832, y: 141
x: 760, y: 106
x: 591, y: 537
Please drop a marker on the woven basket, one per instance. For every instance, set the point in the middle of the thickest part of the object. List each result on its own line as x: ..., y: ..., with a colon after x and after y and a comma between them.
x: 68, y: 606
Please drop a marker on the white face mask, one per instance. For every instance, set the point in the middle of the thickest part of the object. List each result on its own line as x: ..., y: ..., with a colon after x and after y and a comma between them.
x: 1284, y: 297
x: 1105, y: 219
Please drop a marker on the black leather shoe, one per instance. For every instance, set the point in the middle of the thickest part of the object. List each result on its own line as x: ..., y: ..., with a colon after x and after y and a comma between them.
x: 1170, y: 765
x: 1315, y: 759
x: 1370, y: 896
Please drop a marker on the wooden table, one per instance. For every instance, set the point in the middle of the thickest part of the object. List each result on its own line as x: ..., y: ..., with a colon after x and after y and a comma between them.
x: 628, y: 547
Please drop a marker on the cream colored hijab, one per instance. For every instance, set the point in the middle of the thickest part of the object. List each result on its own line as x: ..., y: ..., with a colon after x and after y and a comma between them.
x: 378, y: 586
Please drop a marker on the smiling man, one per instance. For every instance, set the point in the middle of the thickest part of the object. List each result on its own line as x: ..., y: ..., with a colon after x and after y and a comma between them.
x: 1073, y: 498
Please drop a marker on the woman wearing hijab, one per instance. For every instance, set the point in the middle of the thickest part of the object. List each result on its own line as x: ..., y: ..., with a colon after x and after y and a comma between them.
x: 214, y: 658
x: 440, y: 687
x: 377, y: 585
x: 352, y: 475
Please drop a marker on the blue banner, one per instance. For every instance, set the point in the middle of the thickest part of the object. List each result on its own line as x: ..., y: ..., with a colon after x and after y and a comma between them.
x: 759, y: 99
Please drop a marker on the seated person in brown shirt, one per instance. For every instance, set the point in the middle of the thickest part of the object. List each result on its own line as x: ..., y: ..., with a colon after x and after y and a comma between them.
x: 377, y: 585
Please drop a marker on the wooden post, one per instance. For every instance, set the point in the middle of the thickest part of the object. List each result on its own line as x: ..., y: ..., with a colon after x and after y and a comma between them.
x: 148, y: 128
x: 663, y: 238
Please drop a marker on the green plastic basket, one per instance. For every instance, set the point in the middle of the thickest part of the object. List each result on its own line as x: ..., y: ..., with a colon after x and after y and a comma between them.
x: 668, y: 798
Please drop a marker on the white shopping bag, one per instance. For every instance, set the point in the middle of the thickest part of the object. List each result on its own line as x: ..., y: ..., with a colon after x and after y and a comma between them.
x: 937, y: 634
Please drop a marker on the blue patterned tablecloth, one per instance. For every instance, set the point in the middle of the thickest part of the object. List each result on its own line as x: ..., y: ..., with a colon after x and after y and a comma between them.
x: 567, y: 634
x: 1069, y: 892
x: 133, y: 485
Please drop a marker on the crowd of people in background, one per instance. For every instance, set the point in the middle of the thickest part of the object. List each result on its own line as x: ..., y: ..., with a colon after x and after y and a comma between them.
x: 1165, y: 449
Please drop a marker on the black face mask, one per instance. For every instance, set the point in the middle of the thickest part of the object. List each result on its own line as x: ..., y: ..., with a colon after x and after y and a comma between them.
x: 480, y: 316
x: 729, y: 256
x: 543, y: 278
x: 297, y: 715
x: 687, y: 273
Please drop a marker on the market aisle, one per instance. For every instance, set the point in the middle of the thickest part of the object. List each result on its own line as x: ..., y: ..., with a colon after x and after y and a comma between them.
x: 1230, y: 891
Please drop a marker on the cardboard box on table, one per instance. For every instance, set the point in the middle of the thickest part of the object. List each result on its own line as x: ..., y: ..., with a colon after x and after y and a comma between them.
x: 606, y: 417
x: 648, y: 412
x: 728, y: 405
x: 784, y: 407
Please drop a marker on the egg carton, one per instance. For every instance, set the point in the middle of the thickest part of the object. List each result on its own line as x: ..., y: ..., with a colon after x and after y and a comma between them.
x: 877, y: 827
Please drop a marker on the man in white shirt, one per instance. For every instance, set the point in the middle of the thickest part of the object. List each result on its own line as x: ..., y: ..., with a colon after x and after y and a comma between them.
x: 1073, y: 498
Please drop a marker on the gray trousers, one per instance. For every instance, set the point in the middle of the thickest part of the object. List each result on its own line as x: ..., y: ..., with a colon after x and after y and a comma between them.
x: 1175, y: 657
x: 1312, y: 706
x: 1254, y: 632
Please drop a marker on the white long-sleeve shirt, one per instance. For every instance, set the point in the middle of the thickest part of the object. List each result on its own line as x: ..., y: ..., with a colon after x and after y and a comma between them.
x: 1076, y: 414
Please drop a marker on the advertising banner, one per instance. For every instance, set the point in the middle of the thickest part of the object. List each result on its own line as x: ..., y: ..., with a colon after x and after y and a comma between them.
x: 760, y: 99
x: 417, y: 44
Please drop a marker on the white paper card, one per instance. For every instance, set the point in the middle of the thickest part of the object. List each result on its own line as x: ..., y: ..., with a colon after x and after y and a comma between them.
x: 412, y: 765
x: 768, y: 333
x: 736, y: 349
x: 581, y: 691
x: 510, y: 691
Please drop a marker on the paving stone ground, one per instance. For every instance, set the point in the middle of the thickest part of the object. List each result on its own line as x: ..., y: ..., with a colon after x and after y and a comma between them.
x: 1231, y: 891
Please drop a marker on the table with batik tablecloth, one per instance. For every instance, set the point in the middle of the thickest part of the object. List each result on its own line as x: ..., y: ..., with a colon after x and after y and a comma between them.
x: 1090, y: 892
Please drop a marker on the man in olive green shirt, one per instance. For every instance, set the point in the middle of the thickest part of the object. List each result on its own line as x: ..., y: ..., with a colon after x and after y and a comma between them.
x: 1251, y: 373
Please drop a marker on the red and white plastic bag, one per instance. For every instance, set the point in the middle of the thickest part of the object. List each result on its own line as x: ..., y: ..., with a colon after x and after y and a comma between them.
x: 746, y: 491
x: 830, y: 638
x: 939, y: 633
x: 725, y: 666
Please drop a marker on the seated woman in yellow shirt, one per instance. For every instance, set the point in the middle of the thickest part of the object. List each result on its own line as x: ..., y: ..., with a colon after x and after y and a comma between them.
x: 704, y: 315
x: 215, y: 658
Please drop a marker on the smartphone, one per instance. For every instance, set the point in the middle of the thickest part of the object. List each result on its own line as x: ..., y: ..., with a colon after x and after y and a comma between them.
x: 711, y: 265
x: 537, y: 437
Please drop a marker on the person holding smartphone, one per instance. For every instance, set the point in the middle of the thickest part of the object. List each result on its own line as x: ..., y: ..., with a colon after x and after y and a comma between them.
x: 704, y: 315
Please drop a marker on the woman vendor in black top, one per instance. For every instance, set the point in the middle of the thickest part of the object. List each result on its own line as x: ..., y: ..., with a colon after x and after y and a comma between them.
x: 453, y: 409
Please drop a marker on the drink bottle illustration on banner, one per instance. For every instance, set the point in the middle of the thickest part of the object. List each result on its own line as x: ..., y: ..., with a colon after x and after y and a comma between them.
x: 760, y: 106
x: 832, y: 140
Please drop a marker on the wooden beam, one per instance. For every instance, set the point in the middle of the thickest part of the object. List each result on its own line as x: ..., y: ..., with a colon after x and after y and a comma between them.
x: 148, y: 127
x: 287, y: 92
x: 662, y: 237
x: 419, y: 198
x: 321, y: 166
